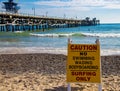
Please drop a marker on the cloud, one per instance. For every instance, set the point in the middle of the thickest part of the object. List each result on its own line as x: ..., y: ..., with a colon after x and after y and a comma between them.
x: 83, y: 4
x: 112, y: 4
x: 52, y: 3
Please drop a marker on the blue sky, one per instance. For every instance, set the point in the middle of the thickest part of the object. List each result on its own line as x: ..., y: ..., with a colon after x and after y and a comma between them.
x: 108, y: 11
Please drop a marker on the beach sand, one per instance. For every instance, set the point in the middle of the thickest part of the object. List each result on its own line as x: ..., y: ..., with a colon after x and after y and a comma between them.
x: 47, y: 72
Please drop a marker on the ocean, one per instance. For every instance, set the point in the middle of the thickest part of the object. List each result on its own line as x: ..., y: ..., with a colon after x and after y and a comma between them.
x: 57, y: 39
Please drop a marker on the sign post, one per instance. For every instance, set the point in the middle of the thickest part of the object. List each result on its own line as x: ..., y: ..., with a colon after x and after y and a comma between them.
x: 83, y: 64
x: 69, y: 87
x: 100, y: 85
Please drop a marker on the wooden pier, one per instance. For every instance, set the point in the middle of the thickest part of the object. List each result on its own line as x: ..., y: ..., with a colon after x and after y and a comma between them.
x: 20, y: 22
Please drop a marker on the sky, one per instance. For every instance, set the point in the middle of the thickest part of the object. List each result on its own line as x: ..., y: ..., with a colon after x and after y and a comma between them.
x: 107, y: 11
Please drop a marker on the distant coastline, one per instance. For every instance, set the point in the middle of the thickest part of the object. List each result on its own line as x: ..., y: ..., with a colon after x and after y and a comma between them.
x: 109, y: 23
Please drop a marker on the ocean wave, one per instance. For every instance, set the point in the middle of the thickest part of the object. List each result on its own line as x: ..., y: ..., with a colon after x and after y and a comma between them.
x: 101, y: 34
x: 56, y: 35
x: 77, y: 34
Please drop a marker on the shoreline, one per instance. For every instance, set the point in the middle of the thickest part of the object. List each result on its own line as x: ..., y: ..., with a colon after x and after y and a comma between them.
x: 29, y: 50
x: 47, y: 72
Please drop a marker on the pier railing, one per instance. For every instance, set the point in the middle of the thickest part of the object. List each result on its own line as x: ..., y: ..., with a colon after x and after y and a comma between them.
x: 39, y: 16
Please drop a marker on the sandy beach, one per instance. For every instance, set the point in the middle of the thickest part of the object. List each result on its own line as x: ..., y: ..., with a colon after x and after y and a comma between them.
x: 47, y: 72
x: 37, y: 36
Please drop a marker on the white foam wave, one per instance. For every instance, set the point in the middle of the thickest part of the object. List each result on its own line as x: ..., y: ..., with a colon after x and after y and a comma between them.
x: 23, y: 50
x: 78, y: 34
x: 110, y: 52
x: 27, y: 50
x: 102, y: 34
x: 51, y: 35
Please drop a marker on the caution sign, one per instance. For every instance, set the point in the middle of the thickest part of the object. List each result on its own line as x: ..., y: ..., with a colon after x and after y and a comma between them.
x: 83, y: 64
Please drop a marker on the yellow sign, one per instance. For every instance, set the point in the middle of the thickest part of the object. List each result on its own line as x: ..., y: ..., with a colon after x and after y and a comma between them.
x: 83, y: 64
